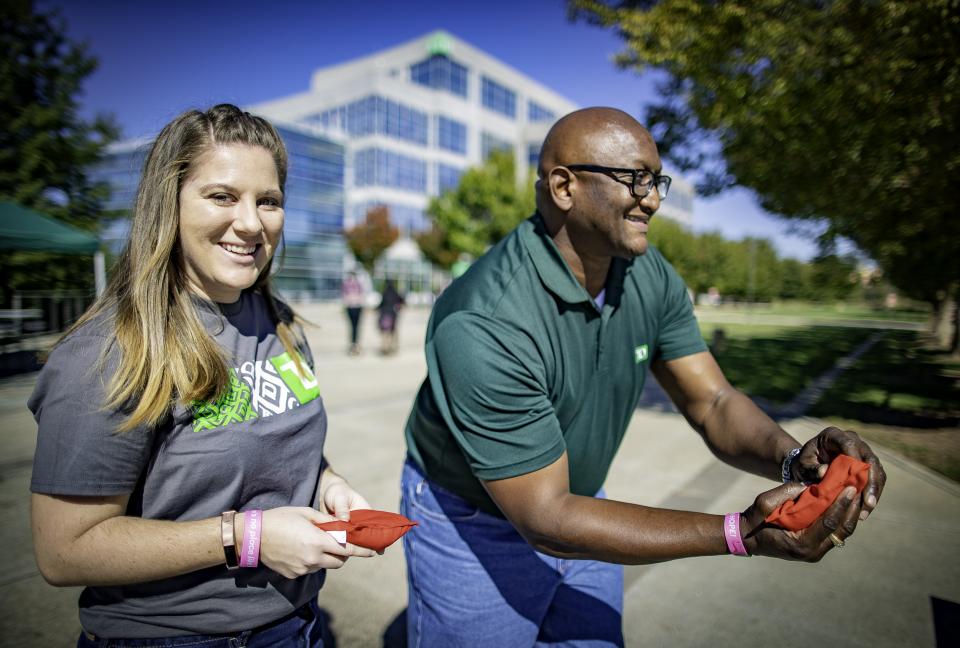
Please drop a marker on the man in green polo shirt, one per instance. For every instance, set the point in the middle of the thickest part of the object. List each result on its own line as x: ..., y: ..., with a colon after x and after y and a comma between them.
x: 536, y: 358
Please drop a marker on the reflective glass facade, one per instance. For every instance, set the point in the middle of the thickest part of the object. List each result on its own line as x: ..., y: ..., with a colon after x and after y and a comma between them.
x: 404, y: 217
x: 310, y: 263
x: 537, y: 113
x: 499, y: 98
x: 441, y: 73
x: 451, y: 134
x: 375, y: 115
x: 490, y: 143
x: 383, y: 168
x: 448, y: 177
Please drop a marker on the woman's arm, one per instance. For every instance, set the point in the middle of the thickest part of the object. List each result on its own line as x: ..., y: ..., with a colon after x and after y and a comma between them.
x: 88, y: 541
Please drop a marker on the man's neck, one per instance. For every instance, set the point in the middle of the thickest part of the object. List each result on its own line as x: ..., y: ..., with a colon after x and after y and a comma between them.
x: 590, y: 270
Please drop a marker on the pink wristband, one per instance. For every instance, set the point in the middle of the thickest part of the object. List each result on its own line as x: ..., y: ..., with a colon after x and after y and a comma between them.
x: 731, y: 532
x: 250, y: 552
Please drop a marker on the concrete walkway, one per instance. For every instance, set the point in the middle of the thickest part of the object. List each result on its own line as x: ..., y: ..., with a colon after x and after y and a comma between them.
x: 876, y: 592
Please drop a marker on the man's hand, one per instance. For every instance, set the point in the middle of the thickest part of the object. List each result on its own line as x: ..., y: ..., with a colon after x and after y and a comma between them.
x: 808, y: 545
x: 811, y: 464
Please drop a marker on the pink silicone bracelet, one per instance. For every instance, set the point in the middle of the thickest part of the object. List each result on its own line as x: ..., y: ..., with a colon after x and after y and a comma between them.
x: 731, y: 531
x: 250, y: 552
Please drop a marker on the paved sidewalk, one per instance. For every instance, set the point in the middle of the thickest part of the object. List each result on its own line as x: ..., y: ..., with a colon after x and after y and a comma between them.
x: 876, y: 592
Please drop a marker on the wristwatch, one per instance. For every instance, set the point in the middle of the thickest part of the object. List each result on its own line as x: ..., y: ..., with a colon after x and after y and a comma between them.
x: 229, y: 541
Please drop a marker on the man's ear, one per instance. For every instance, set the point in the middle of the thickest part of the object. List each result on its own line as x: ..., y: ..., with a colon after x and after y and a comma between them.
x: 562, y: 184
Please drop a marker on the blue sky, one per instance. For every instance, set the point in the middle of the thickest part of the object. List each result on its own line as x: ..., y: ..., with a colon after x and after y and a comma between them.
x: 157, y: 59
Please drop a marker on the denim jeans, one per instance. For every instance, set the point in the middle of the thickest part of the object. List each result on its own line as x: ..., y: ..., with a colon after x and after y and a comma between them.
x: 474, y: 581
x: 302, y: 629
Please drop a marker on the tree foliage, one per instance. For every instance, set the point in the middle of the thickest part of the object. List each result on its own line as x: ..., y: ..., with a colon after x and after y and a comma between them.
x: 370, y: 239
x: 750, y: 269
x: 484, y: 207
x: 839, y: 111
x: 45, y: 147
x: 435, y: 245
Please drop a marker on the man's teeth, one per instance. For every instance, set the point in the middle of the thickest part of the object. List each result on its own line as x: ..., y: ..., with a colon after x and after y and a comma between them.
x: 239, y: 249
x: 636, y: 219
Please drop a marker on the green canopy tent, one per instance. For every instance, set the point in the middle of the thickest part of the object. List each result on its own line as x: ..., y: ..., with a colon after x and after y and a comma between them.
x: 25, y: 229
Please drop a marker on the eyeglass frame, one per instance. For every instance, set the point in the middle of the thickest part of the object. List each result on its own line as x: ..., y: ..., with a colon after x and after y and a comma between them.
x: 635, y: 174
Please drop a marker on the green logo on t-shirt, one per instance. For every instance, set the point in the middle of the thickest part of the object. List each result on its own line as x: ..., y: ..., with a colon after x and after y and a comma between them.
x: 305, y: 387
x: 640, y: 353
x: 258, y: 389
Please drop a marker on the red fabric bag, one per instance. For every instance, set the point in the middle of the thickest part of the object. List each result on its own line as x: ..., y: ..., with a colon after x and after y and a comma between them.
x: 375, y: 530
x: 812, y: 503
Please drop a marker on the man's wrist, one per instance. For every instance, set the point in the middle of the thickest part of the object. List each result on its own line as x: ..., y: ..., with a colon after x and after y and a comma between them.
x: 786, y: 466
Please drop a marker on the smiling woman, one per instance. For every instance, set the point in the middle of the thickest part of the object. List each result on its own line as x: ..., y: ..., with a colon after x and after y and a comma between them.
x: 164, y: 413
x: 231, y: 216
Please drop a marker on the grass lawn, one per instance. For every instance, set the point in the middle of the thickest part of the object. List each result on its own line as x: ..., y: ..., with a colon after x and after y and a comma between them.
x: 899, y: 394
x: 838, y: 310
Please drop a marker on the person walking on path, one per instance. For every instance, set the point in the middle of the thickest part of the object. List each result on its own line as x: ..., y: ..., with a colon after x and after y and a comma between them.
x: 536, y: 358
x: 180, y: 430
x: 352, y: 296
x: 389, y: 311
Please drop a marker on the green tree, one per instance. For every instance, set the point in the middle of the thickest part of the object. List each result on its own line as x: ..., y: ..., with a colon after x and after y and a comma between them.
x: 486, y: 205
x: 45, y: 147
x: 435, y: 245
x: 843, y: 112
x: 371, y: 238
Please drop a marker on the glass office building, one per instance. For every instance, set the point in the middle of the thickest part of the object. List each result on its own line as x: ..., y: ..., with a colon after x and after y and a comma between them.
x: 415, y: 117
x: 394, y: 128
x: 310, y: 262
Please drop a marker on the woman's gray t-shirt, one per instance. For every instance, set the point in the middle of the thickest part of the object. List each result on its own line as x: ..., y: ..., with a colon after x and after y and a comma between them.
x: 260, y: 445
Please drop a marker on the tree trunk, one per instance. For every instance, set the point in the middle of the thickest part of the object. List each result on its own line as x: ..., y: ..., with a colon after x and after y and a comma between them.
x: 945, y: 323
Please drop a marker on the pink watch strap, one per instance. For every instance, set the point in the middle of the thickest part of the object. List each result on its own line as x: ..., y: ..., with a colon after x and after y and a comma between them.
x: 731, y: 532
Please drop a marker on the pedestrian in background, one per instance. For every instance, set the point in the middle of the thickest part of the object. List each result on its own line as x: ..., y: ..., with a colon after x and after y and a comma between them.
x: 180, y: 430
x: 391, y: 301
x: 352, y: 295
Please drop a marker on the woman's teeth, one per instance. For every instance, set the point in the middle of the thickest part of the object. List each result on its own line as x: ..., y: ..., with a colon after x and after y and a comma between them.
x: 239, y: 249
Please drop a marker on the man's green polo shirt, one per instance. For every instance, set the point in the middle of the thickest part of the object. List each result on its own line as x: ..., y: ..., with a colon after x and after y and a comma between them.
x: 522, y: 366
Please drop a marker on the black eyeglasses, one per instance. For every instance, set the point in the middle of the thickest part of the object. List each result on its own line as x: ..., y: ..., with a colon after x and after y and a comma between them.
x: 641, y: 182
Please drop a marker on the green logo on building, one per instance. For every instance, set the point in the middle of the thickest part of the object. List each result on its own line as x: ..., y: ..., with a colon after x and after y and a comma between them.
x: 640, y: 353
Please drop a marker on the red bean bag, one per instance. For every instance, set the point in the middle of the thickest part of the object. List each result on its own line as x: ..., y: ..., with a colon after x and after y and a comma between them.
x: 375, y: 530
x: 814, y: 501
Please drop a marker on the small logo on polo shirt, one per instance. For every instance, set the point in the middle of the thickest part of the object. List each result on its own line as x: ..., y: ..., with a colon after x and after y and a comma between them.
x: 640, y: 353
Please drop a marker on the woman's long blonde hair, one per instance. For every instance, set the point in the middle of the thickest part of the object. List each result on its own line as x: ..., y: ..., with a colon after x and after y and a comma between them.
x: 166, y: 354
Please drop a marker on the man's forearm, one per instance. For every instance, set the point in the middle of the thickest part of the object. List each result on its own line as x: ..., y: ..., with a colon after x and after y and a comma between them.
x: 742, y: 435
x: 619, y: 532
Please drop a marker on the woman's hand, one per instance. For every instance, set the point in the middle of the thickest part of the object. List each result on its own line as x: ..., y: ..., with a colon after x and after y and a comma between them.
x: 337, y: 497
x: 292, y: 546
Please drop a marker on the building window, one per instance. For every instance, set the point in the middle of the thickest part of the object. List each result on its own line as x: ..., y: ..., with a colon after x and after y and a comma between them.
x: 448, y: 177
x: 440, y: 73
x: 407, y: 219
x: 499, y: 98
x: 537, y: 113
x: 382, y: 168
x: 375, y: 115
x: 490, y: 143
x: 533, y: 154
x: 451, y: 135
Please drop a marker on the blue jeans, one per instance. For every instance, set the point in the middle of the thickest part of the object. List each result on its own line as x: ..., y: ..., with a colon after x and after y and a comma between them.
x: 301, y: 629
x: 474, y: 581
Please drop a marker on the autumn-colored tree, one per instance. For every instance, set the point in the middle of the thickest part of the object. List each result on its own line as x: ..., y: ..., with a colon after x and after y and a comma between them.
x: 436, y: 248
x: 369, y: 239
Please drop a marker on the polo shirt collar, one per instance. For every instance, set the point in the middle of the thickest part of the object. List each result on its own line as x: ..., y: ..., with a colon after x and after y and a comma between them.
x: 556, y: 274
